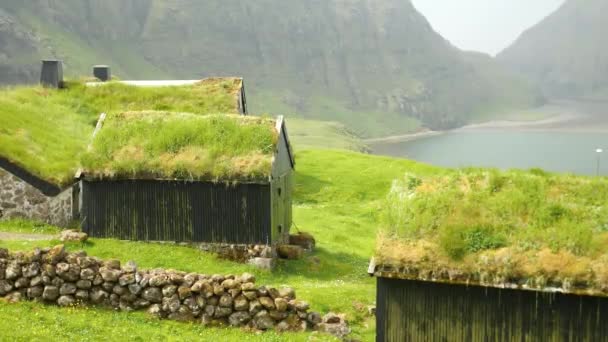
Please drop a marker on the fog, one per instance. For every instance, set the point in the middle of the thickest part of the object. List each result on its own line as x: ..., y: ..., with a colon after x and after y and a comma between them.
x: 484, y: 25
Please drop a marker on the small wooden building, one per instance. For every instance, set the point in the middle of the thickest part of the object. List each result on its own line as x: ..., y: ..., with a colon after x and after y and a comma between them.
x: 422, y: 310
x: 192, y: 205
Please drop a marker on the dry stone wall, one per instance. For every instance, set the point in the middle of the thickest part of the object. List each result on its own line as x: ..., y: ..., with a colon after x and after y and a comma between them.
x: 54, y: 276
x: 19, y: 199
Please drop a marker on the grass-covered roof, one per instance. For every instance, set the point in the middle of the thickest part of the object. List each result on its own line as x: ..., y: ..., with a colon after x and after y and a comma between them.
x: 522, y: 229
x: 166, y: 145
x: 44, y: 131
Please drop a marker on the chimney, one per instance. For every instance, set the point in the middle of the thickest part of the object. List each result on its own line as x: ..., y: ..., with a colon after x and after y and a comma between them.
x: 102, y: 72
x: 51, y: 75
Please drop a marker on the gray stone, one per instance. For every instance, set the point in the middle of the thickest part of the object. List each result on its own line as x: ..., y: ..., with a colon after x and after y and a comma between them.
x: 35, y: 292
x: 120, y: 290
x: 84, y: 284
x: 280, y: 304
x: 241, y: 303
x: 50, y: 293
x: 14, y: 297
x: 226, y: 301
x: 82, y: 295
x: 126, y: 279
x: 314, y: 318
x: 171, y: 304
x: 277, y: 315
x: 98, y: 295
x: 263, y: 321
x: 287, y: 293
x: 5, y: 287
x: 87, y: 274
x: 262, y: 263
x: 222, y: 312
x: 159, y: 281
x: 66, y: 301
x: 153, y: 295
x: 251, y: 295
x: 141, y: 303
x: 184, y: 292
x: 247, y: 278
x: 109, y: 274
x: 32, y: 270
x: 255, y: 307
x: 273, y: 293
x: 68, y: 272
x: 67, y: 289
x: 55, y: 254
x: 135, y: 289
x: 267, y: 302
x: 302, y: 305
x: 37, y: 280
x: 22, y: 282
x: 13, y: 271
x: 155, y: 310
x: 112, y: 264
x: 130, y: 267
x: 169, y: 290
x: 239, y: 318
x: 72, y: 236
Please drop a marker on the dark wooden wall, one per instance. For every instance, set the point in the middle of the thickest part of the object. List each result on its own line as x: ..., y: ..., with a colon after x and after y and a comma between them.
x: 177, y: 211
x: 425, y: 311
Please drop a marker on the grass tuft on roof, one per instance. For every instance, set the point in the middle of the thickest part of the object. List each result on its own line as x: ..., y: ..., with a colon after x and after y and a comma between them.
x: 532, y: 229
x: 162, y: 145
x: 46, y: 130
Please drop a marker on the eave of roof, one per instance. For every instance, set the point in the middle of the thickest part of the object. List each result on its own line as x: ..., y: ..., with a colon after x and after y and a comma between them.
x: 47, y: 188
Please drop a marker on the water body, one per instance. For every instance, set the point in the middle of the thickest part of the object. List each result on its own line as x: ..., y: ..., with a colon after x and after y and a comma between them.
x: 552, y: 150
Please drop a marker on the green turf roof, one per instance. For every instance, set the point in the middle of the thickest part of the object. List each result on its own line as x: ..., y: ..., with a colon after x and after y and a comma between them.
x: 164, y: 145
x: 523, y: 229
x: 45, y: 131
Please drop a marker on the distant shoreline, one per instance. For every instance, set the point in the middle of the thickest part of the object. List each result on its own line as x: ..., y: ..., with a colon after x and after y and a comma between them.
x: 569, y: 120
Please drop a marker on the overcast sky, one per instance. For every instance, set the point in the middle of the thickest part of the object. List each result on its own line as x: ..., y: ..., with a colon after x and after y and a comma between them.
x: 484, y: 25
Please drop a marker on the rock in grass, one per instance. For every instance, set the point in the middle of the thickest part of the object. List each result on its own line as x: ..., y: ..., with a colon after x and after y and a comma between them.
x: 304, y: 240
x: 290, y: 252
x: 66, y: 301
x: 70, y: 235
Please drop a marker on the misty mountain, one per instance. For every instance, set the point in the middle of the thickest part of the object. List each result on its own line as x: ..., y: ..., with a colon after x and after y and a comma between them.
x: 566, y: 53
x: 375, y: 65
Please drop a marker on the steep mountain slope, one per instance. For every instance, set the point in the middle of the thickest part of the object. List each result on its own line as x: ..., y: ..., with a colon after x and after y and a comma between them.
x: 566, y: 53
x: 375, y: 65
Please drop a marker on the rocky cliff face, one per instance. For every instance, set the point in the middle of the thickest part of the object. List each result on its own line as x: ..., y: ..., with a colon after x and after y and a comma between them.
x: 347, y: 60
x: 566, y: 53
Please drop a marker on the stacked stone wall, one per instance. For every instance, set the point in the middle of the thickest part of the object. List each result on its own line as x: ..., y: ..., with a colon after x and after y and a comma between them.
x: 54, y: 276
x: 19, y: 199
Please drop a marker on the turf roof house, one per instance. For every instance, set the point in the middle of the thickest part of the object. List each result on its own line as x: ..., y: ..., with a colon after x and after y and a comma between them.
x: 502, y: 293
x: 228, y: 179
x: 32, y: 188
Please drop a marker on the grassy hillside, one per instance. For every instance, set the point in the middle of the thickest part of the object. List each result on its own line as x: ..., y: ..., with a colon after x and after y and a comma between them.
x: 376, y: 66
x: 337, y: 198
x: 564, y: 52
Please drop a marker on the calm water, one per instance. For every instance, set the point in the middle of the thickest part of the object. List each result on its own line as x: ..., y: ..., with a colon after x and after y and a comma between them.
x: 551, y: 150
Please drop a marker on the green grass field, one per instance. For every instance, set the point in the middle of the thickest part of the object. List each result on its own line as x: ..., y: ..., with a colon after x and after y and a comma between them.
x: 338, y: 195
